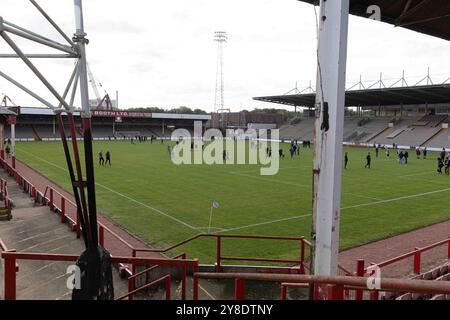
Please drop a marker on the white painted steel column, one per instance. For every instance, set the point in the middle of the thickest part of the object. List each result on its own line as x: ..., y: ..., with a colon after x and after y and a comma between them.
x: 82, y: 62
x: 332, y: 58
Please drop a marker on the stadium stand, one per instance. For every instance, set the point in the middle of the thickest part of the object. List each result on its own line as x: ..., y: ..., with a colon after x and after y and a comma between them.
x: 440, y: 273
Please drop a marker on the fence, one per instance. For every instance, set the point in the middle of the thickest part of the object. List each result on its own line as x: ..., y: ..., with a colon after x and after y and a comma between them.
x: 219, y: 242
x: 335, y: 286
x: 11, y: 257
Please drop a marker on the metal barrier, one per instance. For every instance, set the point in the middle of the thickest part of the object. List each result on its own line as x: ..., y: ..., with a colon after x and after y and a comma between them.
x: 132, y: 279
x: 361, y: 270
x: 219, y: 257
x: 11, y: 257
x: 335, y: 285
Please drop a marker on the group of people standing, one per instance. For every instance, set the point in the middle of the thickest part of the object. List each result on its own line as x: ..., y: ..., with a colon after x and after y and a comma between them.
x: 101, y: 159
x: 443, y: 161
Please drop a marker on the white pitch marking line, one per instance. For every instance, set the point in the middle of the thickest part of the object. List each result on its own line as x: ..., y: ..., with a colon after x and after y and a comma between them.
x: 123, y: 195
x: 344, y: 208
x: 294, y: 184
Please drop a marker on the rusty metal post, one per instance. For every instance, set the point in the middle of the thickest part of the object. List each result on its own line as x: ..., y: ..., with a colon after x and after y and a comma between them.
x: 417, y: 258
x: 374, y: 295
x: 448, y: 249
x: 195, y: 283
x: 131, y: 282
x: 167, y: 282
x: 283, y: 292
x: 51, y: 200
x: 63, y: 209
x: 78, y: 225
x: 239, y: 289
x: 133, y: 265
x: 336, y: 292
x: 183, y: 279
x: 219, y: 254
x: 10, y: 277
x: 101, y: 231
x: 359, y: 273
x: 302, y: 257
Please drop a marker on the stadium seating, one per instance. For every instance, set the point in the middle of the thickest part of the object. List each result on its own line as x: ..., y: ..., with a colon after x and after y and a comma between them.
x: 440, y: 273
x: 441, y: 140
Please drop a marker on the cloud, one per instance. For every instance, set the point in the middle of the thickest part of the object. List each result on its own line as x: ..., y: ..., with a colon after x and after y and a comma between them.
x: 162, y: 53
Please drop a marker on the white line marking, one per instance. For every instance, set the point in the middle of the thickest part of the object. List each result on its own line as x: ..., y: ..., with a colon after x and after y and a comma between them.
x: 266, y: 223
x: 343, y: 208
x: 123, y: 195
x: 294, y: 184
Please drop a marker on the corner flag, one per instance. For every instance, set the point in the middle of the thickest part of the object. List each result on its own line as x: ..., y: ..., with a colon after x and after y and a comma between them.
x: 216, y: 204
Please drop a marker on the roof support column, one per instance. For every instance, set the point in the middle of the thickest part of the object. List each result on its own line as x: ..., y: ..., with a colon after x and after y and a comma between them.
x: 330, y: 102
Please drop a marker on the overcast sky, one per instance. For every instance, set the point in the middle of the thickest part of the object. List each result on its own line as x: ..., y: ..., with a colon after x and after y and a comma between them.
x: 162, y: 53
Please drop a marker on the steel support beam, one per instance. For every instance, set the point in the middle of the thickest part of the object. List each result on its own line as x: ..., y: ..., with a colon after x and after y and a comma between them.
x: 330, y: 101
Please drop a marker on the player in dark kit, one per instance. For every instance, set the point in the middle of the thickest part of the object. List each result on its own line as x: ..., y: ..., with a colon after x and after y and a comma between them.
x: 440, y: 165
x: 369, y: 161
x: 346, y: 160
x: 101, y: 160
x: 108, y: 157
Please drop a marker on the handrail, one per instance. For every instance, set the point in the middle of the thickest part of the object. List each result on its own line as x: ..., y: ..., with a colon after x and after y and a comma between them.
x: 234, y: 236
x: 220, y: 257
x: 416, y: 254
x: 386, y: 284
x: 165, y: 278
x: 132, y: 278
x: 11, y: 257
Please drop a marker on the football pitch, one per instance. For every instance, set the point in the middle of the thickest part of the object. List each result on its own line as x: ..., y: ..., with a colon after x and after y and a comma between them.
x: 162, y: 204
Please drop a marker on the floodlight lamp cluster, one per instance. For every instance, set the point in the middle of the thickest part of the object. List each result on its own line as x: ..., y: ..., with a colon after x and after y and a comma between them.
x: 220, y: 36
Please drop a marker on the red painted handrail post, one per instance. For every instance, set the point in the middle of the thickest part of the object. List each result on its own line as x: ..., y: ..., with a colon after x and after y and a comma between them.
x: 448, y: 244
x: 195, y: 282
x: 51, y: 199
x: 78, y: 225
x: 10, y: 277
x: 239, y: 289
x: 374, y: 295
x: 336, y: 292
x: 219, y: 254
x: 283, y: 292
x: 63, y: 210
x: 302, y: 256
x: 133, y: 265
x: 130, y: 287
x: 417, y: 256
x: 183, y: 279
x: 359, y: 273
x: 101, y: 235
x: 167, y: 288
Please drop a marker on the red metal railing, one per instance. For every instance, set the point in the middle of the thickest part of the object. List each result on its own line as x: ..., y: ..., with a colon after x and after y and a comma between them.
x: 11, y: 257
x: 336, y: 286
x: 132, y: 279
x: 220, y: 257
x: 167, y: 283
x: 361, y: 270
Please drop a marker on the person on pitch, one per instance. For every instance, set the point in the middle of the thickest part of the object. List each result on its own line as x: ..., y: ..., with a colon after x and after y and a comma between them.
x: 369, y: 161
x: 108, y: 157
x: 101, y: 160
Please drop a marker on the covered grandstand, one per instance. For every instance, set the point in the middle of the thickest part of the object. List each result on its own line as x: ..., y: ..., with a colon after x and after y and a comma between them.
x: 415, y: 116
x: 39, y: 124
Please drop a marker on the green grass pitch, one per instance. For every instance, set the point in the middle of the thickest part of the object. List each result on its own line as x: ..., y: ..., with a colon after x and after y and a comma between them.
x: 162, y: 203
